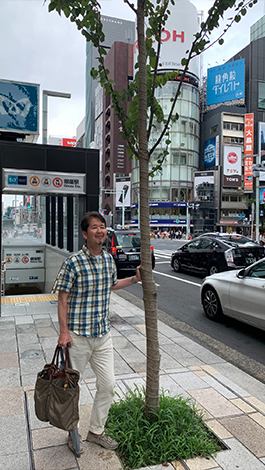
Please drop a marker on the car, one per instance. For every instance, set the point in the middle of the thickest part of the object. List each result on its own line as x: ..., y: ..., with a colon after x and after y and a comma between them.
x: 231, y: 237
x: 238, y: 294
x: 210, y: 254
x: 125, y: 247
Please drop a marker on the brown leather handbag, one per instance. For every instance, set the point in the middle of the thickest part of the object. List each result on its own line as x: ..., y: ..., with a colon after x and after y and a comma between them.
x: 56, y: 393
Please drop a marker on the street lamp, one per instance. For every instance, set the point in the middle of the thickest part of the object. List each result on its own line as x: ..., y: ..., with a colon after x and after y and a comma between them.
x: 45, y: 95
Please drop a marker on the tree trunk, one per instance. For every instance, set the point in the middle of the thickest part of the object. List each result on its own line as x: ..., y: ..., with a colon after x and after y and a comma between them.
x: 149, y: 287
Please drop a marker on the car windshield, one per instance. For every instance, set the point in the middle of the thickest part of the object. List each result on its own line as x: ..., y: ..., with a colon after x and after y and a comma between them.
x: 241, y: 240
x: 130, y: 240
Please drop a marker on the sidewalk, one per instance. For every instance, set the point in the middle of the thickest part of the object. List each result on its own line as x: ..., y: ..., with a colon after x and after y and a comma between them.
x: 233, y: 402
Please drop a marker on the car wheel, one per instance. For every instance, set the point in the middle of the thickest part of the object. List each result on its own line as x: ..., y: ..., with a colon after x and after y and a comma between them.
x: 211, y: 303
x: 213, y: 269
x: 176, y: 265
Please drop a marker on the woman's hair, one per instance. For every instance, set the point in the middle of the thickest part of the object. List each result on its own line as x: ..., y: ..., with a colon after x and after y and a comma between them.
x: 91, y: 215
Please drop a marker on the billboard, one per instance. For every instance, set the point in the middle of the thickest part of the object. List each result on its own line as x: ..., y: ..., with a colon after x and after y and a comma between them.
x: 123, y: 192
x: 226, y: 82
x: 201, y: 177
x: 65, y: 142
x: 211, y: 152
x: 177, y: 37
x: 232, y: 166
x: 249, y: 133
x: 248, y: 174
x: 19, y: 107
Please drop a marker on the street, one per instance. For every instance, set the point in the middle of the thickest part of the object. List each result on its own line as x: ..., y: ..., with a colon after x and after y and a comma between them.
x: 178, y: 297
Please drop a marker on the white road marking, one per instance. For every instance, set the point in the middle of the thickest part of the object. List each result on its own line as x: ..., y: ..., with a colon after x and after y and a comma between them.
x: 178, y: 278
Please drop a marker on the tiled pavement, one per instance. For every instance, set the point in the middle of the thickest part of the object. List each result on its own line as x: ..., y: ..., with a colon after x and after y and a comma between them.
x: 233, y: 402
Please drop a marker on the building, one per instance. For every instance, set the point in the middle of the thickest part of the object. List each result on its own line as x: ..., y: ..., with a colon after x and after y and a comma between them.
x: 116, y: 165
x: 226, y: 122
x: 115, y: 29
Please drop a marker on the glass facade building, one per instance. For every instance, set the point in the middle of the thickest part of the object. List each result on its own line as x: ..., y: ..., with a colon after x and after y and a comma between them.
x: 171, y: 189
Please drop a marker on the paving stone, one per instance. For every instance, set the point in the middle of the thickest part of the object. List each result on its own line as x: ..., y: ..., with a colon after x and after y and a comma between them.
x: 234, y: 387
x: 119, y: 342
x: 19, y: 461
x: 209, y: 369
x: 214, y: 403
x: 48, y: 437
x: 237, y: 457
x: 98, y: 458
x: 248, y: 432
x: 201, y: 463
x: 177, y: 465
x: 176, y: 352
x: 25, y: 328
x: 54, y: 458
x: 200, y: 373
x: 256, y: 403
x: 171, y: 387
x: 14, y: 438
x: 8, y: 344
x: 85, y: 396
x: 31, y: 366
x: 242, y: 405
x: 8, y: 360
x: 168, y: 362
x: 12, y: 401
x: 24, y: 319
x: 46, y: 331
x: 218, y: 429
x: 9, y: 378
x: 188, y: 381
x: 259, y: 418
x: 212, y: 382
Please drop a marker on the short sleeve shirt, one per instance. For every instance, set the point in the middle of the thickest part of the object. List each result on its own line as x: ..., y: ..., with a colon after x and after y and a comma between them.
x: 89, y: 280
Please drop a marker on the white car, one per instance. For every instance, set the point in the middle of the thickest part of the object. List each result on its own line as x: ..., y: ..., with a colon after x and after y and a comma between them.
x: 238, y: 294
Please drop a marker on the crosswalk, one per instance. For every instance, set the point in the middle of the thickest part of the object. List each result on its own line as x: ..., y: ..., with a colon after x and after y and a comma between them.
x: 162, y: 256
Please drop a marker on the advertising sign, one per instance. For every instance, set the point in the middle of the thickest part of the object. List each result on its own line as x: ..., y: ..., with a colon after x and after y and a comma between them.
x: 249, y: 133
x: 248, y: 174
x: 262, y: 195
x: 211, y: 152
x: 65, y: 142
x: 226, y: 82
x: 261, y: 147
x: 123, y: 191
x: 232, y: 166
x: 19, y: 107
x: 41, y: 182
x: 177, y: 37
x: 201, y: 177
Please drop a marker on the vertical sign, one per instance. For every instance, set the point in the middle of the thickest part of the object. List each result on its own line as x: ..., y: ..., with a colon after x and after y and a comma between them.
x: 249, y: 133
x: 217, y: 150
x: 248, y: 174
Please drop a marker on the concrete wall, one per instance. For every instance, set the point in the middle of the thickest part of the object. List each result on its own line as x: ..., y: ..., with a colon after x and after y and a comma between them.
x: 53, y: 262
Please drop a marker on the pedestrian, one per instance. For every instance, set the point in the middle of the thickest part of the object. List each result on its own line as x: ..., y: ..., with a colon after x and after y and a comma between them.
x: 84, y: 285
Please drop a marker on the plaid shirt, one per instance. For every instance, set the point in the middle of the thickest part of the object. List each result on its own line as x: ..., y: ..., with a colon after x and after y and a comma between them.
x: 89, y: 284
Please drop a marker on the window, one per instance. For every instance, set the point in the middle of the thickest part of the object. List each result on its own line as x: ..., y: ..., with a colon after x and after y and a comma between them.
x: 214, y: 129
x: 261, y: 95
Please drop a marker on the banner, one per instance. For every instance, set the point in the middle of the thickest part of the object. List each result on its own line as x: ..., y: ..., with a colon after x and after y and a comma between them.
x: 248, y: 174
x: 249, y: 133
x: 226, y: 82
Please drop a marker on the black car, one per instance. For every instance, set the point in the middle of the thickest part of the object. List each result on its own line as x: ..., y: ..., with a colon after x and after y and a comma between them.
x: 125, y: 247
x: 211, y: 254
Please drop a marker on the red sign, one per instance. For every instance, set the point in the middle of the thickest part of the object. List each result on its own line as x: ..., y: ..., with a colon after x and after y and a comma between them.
x: 249, y: 133
x: 248, y: 174
x: 68, y: 142
x: 25, y: 259
x: 57, y: 182
x: 232, y: 158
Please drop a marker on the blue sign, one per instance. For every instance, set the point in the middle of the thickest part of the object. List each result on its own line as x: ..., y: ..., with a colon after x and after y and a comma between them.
x: 209, y: 153
x: 262, y: 195
x: 19, y: 107
x: 226, y: 82
x: 163, y: 204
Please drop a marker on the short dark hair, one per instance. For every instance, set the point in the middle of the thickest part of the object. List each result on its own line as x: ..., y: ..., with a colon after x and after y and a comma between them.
x: 91, y: 215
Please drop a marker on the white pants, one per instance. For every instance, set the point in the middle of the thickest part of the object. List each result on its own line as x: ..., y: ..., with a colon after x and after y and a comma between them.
x: 99, y: 353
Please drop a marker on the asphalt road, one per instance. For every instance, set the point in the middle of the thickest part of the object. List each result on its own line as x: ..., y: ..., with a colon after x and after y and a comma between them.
x: 179, y: 306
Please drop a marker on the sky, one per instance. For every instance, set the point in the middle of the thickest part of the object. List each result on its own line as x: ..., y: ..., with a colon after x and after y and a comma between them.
x: 46, y: 49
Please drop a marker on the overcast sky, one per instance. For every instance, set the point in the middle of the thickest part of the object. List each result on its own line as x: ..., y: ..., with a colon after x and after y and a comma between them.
x: 44, y: 48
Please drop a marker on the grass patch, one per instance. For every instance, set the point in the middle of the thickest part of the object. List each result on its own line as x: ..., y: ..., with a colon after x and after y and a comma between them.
x: 176, y: 432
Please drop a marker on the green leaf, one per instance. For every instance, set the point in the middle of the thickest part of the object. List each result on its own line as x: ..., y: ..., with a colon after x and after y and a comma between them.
x: 237, y: 18
x: 52, y: 6
x: 221, y: 41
